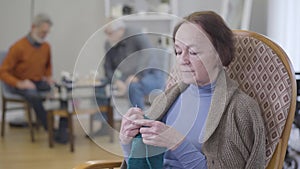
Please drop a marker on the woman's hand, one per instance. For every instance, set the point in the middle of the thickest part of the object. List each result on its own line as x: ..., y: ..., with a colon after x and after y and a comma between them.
x: 156, y: 133
x: 129, y: 129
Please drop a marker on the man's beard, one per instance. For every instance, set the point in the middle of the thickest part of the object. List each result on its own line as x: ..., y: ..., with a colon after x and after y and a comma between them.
x: 37, y: 38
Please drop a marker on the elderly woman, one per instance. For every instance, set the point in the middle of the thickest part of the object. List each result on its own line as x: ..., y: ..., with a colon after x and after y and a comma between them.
x: 204, y: 120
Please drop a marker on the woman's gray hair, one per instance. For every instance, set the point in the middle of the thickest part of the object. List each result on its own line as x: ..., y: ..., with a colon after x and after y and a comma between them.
x: 41, y: 18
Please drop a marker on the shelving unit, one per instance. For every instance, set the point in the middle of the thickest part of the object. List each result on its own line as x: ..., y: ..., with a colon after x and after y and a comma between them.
x: 150, y: 16
x: 139, y: 6
x: 146, y: 14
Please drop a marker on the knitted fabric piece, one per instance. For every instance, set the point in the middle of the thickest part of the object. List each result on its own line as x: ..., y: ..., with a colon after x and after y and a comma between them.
x: 144, y: 156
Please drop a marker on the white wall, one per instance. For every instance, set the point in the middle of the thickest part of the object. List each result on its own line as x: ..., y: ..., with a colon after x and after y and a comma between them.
x: 76, y: 21
x: 258, y: 22
x: 283, y: 27
x: 186, y: 7
x: 15, y: 21
x: 259, y: 16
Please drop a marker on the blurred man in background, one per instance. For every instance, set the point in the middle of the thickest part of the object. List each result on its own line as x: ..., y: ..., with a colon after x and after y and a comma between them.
x: 132, y: 66
x: 27, y: 70
x: 132, y: 63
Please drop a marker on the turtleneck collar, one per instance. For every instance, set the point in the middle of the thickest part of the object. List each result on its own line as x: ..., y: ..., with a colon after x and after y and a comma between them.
x: 202, y: 91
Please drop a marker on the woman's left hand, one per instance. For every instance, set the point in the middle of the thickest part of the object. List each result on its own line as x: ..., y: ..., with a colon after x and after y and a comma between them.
x: 156, y: 133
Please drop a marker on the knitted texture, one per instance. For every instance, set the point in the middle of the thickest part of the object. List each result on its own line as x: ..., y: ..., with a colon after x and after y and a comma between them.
x: 144, y: 156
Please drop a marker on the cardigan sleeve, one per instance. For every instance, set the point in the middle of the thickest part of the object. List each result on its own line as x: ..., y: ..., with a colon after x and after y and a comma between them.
x: 250, y: 128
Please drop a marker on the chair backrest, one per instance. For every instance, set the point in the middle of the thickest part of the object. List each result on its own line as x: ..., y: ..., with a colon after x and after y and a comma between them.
x: 5, y: 89
x: 2, y: 56
x: 264, y: 72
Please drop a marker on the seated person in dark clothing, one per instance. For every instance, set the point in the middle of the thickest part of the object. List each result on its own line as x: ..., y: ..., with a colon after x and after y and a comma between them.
x: 139, y: 63
x: 132, y: 65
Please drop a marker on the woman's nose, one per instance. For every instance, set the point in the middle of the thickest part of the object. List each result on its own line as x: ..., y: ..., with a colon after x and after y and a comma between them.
x: 185, y: 58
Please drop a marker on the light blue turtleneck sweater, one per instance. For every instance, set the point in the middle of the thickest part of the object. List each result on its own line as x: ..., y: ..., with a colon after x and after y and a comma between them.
x: 188, y: 115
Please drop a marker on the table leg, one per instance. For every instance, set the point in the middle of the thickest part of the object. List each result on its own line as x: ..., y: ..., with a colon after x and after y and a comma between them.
x: 50, y: 127
x: 71, y: 133
x: 29, y: 121
x: 91, y: 123
x: 110, y: 116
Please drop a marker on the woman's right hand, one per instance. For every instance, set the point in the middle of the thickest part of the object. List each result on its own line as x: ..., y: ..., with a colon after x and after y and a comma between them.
x: 128, y: 129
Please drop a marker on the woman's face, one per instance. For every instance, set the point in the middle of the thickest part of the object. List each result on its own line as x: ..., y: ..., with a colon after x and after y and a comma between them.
x: 197, y: 59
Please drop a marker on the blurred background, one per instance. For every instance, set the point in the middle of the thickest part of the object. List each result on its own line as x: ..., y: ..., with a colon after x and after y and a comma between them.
x: 76, y: 21
x: 77, y: 45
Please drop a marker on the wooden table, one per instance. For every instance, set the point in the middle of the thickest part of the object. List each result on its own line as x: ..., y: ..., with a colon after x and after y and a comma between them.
x: 67, y: 109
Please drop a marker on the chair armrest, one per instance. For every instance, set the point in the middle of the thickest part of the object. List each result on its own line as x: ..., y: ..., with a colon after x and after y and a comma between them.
x: 99, y: 164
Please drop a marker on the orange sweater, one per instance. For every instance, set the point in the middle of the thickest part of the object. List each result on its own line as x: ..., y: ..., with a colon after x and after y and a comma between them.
x: 24, y: 61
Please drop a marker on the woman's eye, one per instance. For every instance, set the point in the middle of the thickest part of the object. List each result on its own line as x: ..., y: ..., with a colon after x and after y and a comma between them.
x: 178, y: 52
x: 192, y: 53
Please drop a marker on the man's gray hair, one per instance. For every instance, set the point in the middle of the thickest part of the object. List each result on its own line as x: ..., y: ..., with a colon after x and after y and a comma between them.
x: 41, y: 18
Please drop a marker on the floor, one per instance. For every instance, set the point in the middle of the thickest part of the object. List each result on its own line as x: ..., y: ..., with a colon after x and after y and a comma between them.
x: 17, y: 150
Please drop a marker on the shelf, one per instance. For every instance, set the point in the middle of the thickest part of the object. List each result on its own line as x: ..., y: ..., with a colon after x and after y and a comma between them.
x: 147, y: 17
x: 152, y: 22
x: 113, y: 8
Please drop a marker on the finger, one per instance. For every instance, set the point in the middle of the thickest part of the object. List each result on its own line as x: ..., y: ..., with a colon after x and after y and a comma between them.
x: 129, y: 129
x: 146, y: 130
x: 148, y: 136
x: 130, y: 121
x: 150, y: 142
x: 134, y: 110
x: 131, y: 117
x: 132, y: 133
x: 144, y: 122
x: 135, y: 117
x: 132, y: 127
x: 126, y: 123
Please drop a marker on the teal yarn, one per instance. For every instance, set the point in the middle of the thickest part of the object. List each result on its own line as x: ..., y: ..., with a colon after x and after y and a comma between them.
x: 144, y: 156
